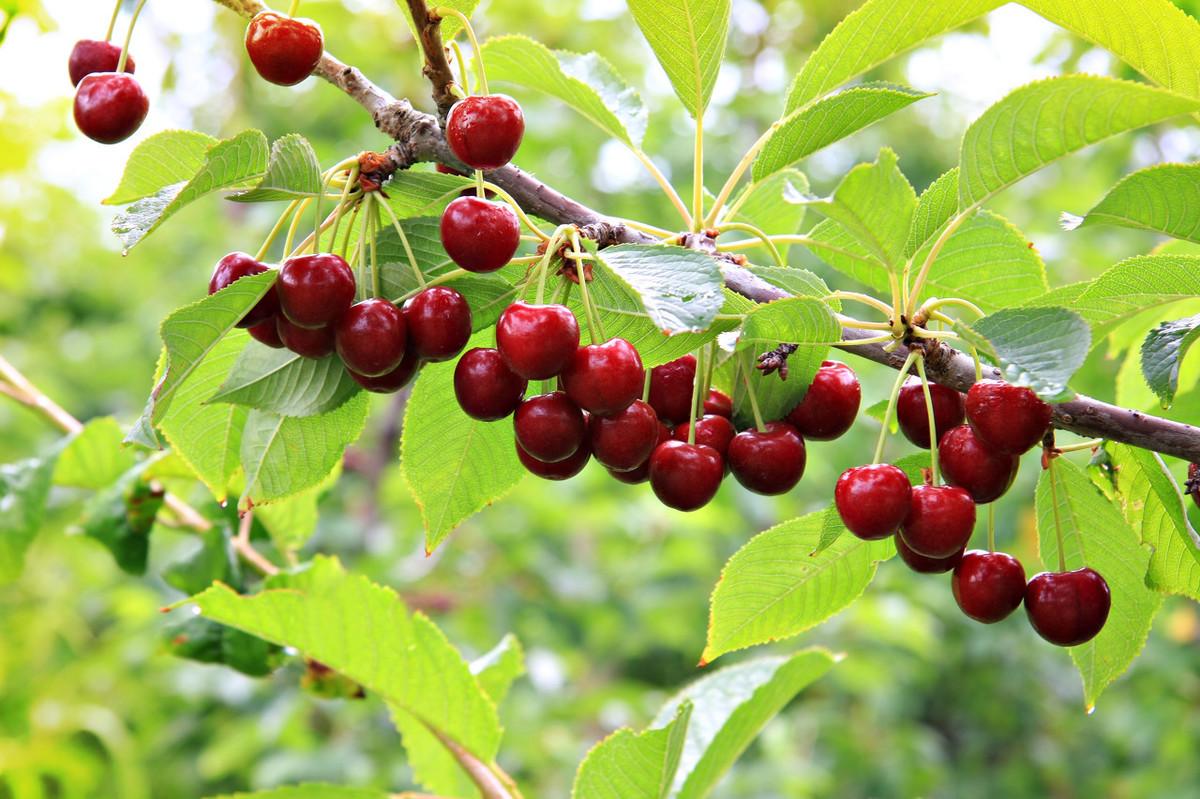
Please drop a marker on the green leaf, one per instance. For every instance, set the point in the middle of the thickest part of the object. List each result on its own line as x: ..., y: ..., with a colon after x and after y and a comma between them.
x: 205, y: 641
x: 1132, y: 286
x: 688, y: 38
x: 121, y: 518
x: 1163, y: 352
x: 24, y: 489
x: 214, y: 561
x: 310, y: 791
x: 1094, y: 534
x: 164, y: 158
x: 800, y: 282
x: 936, y: 206
x: 293, y: 172
x: 94, y: 457
x: 412, y: 193
x: 229, y: 164
x: 1040, y: 348
x: 813, y: 127
x: 585, y: 82
x: 284, y: 383
x: 629, y: 765
x: 499, y: 667
x: 680, y: 288
x: 1043, y: 121
x: 1164, y: 199
x: 774, y: 205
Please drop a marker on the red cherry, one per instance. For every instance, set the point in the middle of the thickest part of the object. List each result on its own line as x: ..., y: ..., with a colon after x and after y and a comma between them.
x: 1007, y: 418
x: 439, y: 323
x: 988, y: 586
x: 719, y: 403
x: 110, y: 106
x: 923, y: 565
x: 605, y: 378
x: 485, y: 387
x: 829, y: 407
x: 685, y: 476
x: 940, y: 521
x: 283, y: 50
x: 550, y: 427
x: 370, y: 337
x: 267, y: 333
x: 625, y: 441
x: 309, y: 342
x: 479, y: 235
x: 314, y: 290
x: 711, y: 431
x: 1068, y: 608
x: 914, y: 418
x: 560, y: 470
x: 92, y: 55
x: 537, y: 341
x: 236, y: 266
x: 770, y: 462
x: 485, y: 132
x: 394, y: 380
x: 1193, y: 482
x: 970, y: 464
x: 641, y: 474
x: 873, y: 500
x: 671, y: 389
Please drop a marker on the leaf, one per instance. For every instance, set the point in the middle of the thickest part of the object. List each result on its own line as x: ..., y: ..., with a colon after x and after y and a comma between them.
x: 1094, y: 534
x: 24, y: 489
x: 679, y: 288
x: 629, y: 765
x: 205, y: 641
x: 293, y: 172
x: 284, y: 383
x: 411, y: 193
x: 93, y: 458
x: 170, y: 156
x: 936, y: 206
x: 310, y: 791
x: 1163, y: 352
x: 688, y: 38
x: 1132, y: 286
x: 499, y: 667
x: 1044, y: 121
x: 800, y: 282
x: 1040, y: 348
x: 1164, y: 199
x: 585, y: 82
x: 121, y: 518
x: 214, y: 561
x: 291, y: 522
x: 813, y: 127
x: 774, y: 205
x: 229, y: 164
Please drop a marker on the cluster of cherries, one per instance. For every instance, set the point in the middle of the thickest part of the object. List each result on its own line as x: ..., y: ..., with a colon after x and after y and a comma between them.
x: 932, y: 524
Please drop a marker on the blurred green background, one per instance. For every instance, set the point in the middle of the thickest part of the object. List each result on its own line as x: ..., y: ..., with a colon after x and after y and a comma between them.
x: 606, y: 589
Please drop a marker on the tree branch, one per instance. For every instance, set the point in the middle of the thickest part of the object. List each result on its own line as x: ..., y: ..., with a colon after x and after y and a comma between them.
x: 437, y: 66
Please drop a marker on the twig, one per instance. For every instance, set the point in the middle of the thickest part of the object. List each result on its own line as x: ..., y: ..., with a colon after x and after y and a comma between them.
x: 242, y: 545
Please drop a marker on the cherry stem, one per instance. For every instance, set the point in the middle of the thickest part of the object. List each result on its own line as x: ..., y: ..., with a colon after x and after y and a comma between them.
x: 891, y: 406
x: 544, y: 265
x: 408, y: 251
x: 691, y: 439
x: 295, y: 4
x: 710, y: 369
x: 128, y: 36
x: 865, y: 299
x: 661, y: 233
x: 732, y: 181
x: 698, y: 175
x: 991, y: 526
x: 858, y: 342
x: 858, y: 324
x: 1062, y: 558
x: 935, y: 304
x: 461, y: 60
x: 754, y: 409
x: 376, y: 280
x: 446, y: 11
x: 275, y: 231
x: 112, y: 22
x: 665, y: 185
x: 480, y: 191
x: 241, y: 543
x: 445, y: 277
x: 595, y: 328
x: 349, y: 229
x: 360, y: 255
x: 744, y: 227
x: 933, y: 444
x: 343, y: 204
x: 296, y: 217
x: 914, y: 291
x: 525, y: 220
x: 1081, y: 446
x: 646, y: 387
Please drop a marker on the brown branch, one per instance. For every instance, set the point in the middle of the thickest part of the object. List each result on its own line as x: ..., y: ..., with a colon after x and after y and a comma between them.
x: 437, y: 66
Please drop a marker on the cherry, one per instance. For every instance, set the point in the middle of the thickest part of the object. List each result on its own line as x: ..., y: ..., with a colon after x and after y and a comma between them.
x: 685, y: 476
x: 970, y: 464
x: 1007, y: 418
x: 560, y: 470
x: 1192, y: 486
x: 439, y: 323
x: 940, y: 521
x: 371, y: 337
x: 236, y: 266
x: 484, y: 132
x: 537, y: 341
x: 829, y: 407
x: 914, y: 418
x: 92, y: 55
x: 671, y: 389
x: 310, y: 342
x: 605, y: 378
x: 110, y: 106
x: 769, y: 462
x: 485, y: 387
x: 988, y: 586
x: 283, y: 50
x: 315, y: 290
x: 550, y: 427
x: 624, y: 441
x: 711, y: 431
x: 919, y: 563
x: 641, y: 474
x: 267, y: 333
x: 1068, y: 608
x: 873, y: 500
x: 719, y: 403
x: 394, y: 380
x: 480, y: 235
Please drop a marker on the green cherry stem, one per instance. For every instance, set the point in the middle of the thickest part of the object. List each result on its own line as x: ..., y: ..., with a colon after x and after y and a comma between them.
x: 292, y: 228
x: 935, y: 304
x: 112, y: 22
x: 293, y: 7
x: 701, y: 370
x: 480, y: 191
x: 276, y: 230
x: 991, y: 526
x: 914, y: 291
x: 129, y: 36
x: 544, y: 266
x: 891, y: 406
x: 665, y: 185
x: 710, y: 369
x: 376, y: 278
x: 861, y: 342
x: 343, y: 204
x: 1062, y: 557
x: 446, y: 11
x: 736, y: 175
x: 408, y: 250
x: 646, y: 387
x: 461, y: 61
x: 745, y: 368
x: 1091, y: 443
x: 595, y: 328
x: 865, y: 299
x: 691, y: 439
x: 760, y: 235
x: 858, y: 324
x: 445, y: 277
x: 349, y: 229
x: 933, y: 450
x: 520, y: 212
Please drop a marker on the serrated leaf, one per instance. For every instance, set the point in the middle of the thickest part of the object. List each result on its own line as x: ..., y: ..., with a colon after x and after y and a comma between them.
x: 1040, y: 348
x: 205, y: 641
x: 1163, y: 352
x: 24, y: 489
x: 164, y: 158
x: 1164, y: 199
x: 499, y: 667
x: 800, y: 282
x: 688, y: 38
x: 1132, y: 286
x: 310, y: 791
x: 411, y: 193
x: 293, y: 172
x: 936, y: 206
x: 773, y: 205
x: 629, y: 765
x: 680, y: 288
x: 121, y: 518
x: 284, y: 383
x: 94, y: 457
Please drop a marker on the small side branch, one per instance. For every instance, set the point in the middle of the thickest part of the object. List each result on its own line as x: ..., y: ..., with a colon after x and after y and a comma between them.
x: 437, y: 65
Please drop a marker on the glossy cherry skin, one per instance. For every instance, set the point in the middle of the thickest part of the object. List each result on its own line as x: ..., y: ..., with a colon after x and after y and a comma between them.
x: 940, y: 521
x: 484, y: 132
x: 537, y: 341
x: 711, y: 431
x: 685, y: 476
x: 92, y: 55
x: 394, y: 380
x: 769, y: 462
x: 624, y: 441
x: 671, y: 389
x: 719, y: 403
x: 267, y: 332
x: 110, y: 106
x: 480, y: 235
x: 913, y: 417
x: 1068, y: 608
x: 1007, y: 418
x: 831, y: 404
x: 309, y: 342
x: 559, y: 470
x: 485, y: 387
x: 605, y: 379
x: 550, y: 427
x: 923, y: 565
x: 314, y: 290
x: 641, y: 474
x: 970, y: 464
x: 371, y: 337
x: 873, y: 500
x: 236, y: 266
x: 988, y: 586
x: 439, y: 323
x: 283, y: 50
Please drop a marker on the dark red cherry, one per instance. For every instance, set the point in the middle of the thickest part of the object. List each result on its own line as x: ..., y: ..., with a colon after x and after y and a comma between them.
x: 829, y: 407
x: 484, y: 132
x: 92, y: 55
x: 1068, y: 608
x: 311, y: 342
x: 485, y: 387
x: 267, y: 333
x: 235, y: 266
x: 671, y: 389
x: 605, y: 378
x: 394, y: 380
x: 641, y: 474
x: 970, y: 464
x: 914, y: 418
x: 1007, y: 418
x: 370, y: 337
x: 1193, y: 482
x: 480, y: 235
x: 923, y: 565
x: 988, y: 586
x: 314, y: 290
x: 283, y: 50
x: 770, y: 462
x: 439, y: 323
x: 711, y: 431
x: 873, y: 500
x: 685, y: 476
x: 537, y: 341
x: 550, y: 427
x: 719, y: 403
x: 940, y: 521
x: 560, y: 470
x: 624, y: 441
x: 110, y: 106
